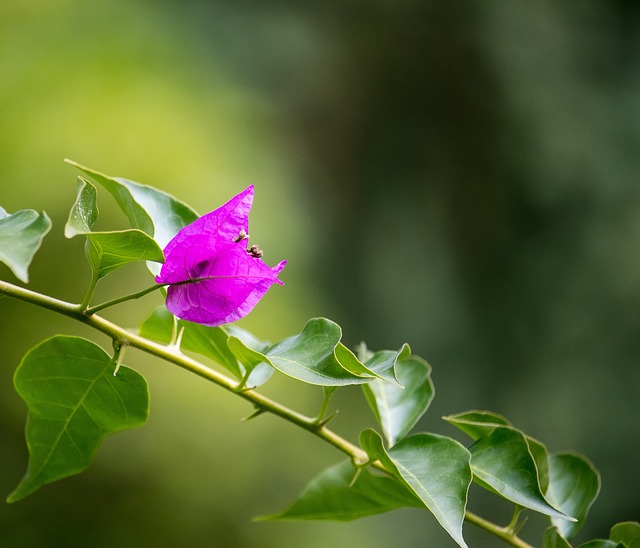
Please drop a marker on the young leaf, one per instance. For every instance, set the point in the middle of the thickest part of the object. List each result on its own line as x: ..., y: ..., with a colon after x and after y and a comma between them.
x: 84, y: 212
x: 74, y: 402
x: 398, y: 409
x: 435, y: 468
x: 627, y: 533
x: 334, y: 495
x: 348, y: 361
x: 153, y: 211
x: 107, y: 251
x: 21, y: 234
x: 553, y: 539
x: 502, y: 462
x: 311, y: 356
x: 574, y: 484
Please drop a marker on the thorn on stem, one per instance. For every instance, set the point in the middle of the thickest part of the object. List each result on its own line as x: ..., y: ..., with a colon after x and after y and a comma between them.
x: 259, y: 411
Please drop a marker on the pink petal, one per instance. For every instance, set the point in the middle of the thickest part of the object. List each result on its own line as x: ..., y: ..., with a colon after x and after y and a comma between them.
x: 227, y: 221
x: 212, y: 279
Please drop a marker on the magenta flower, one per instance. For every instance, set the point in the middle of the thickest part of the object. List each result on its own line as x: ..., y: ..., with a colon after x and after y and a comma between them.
x: 213, y: 279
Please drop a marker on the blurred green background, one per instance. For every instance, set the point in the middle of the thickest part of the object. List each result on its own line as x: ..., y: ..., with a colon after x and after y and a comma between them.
x: 459, y: 175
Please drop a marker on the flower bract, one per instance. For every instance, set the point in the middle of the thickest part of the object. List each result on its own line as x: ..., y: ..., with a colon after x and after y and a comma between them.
x: 212, y: 279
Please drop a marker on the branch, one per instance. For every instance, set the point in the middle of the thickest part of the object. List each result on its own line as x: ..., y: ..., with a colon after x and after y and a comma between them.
x: 260, y: 402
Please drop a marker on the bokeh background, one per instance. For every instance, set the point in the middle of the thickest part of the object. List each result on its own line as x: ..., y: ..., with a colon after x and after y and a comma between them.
x: 462, y: 176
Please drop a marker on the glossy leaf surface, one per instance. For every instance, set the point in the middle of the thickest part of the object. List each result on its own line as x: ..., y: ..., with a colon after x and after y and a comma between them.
x: 314, y: 356
x: 153, y: 211
x: 21, y: 234
x: 502, y: 461
x: 333, y: 496
x: 435, y: 468
x: 398, y: 409
x: 74, y: 402
x: 478, y: 424
x: 574, y: 484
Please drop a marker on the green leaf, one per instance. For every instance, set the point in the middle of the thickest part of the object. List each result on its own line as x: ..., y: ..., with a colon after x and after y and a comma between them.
x: 107, y: 251
x: 627, y: 533
x: 602, y: 543
x: 74, y: 402
x: 435, y: 468
x: 148, y: 209
x: 314, y: 356
x: 334, y: 495
x: 253, y: 362
x: 574, y: 484
x: 478, y: 424
x: 502, y: 462
x: 249, y: 339
x: 553, y: 539
x: 348, y: 361
x: 211, y: 342
x: 383, y: 363
x: 111, y: 250
x: 398, y: 409
x: 21, y: 235
x: 84, y: 212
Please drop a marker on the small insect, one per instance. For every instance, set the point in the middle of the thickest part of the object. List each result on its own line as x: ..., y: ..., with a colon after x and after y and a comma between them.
x: 241, y: 236
x: 255, y: 251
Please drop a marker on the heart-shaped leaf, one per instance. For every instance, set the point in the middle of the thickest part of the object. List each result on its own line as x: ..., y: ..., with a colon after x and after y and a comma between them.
x: 74, y: 402
x: 21, y: 235
x: 502, y: 462
x: 334, y: 495
x: 153, y: 211
x: 574, y: 484
x: 399, y: 409
x: 626, y: 532
x: 435, y: 468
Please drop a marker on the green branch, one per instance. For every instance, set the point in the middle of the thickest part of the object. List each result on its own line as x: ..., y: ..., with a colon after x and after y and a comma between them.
x: 261, y: 403
x: 93, y: 309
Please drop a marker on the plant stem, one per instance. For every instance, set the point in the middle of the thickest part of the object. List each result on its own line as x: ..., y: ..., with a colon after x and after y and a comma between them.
x: 260, y: 402
x: 93, y: 309
x: 504, y: 533
x: 91, y: 290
